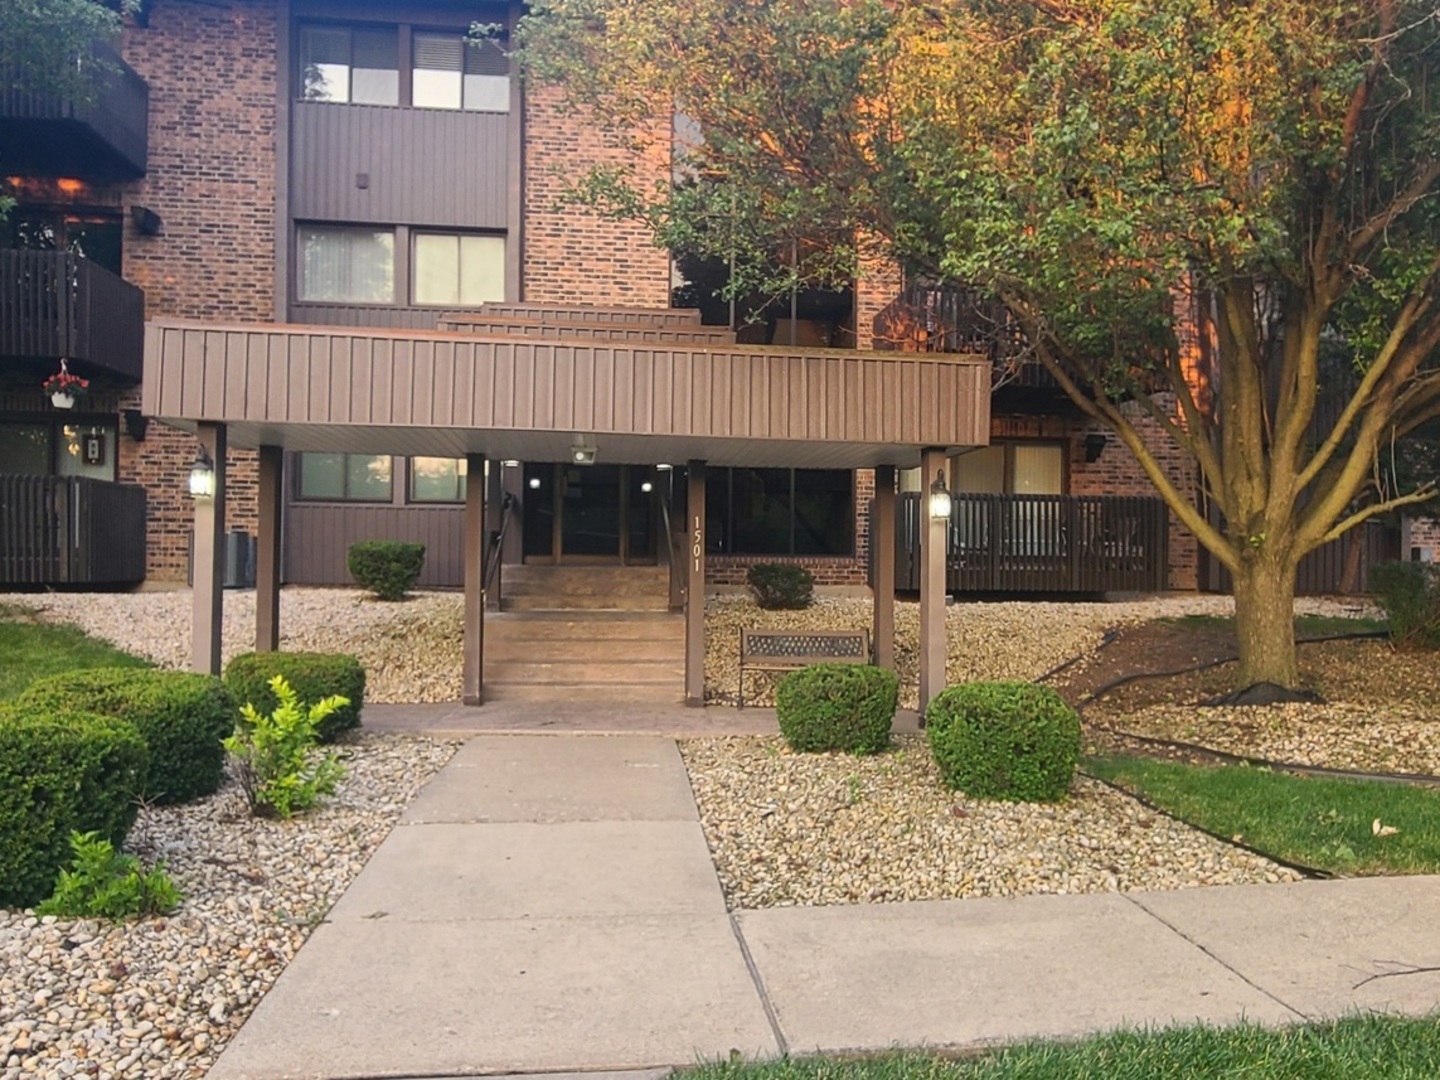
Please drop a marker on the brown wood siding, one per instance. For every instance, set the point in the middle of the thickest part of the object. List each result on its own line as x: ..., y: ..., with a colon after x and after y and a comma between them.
x: 873, y: 403
x: 424, y: 167
x: 318, y: 538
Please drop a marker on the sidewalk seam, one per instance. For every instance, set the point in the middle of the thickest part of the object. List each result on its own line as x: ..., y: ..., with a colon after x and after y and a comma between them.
x: 1228, y: 967
x: 759, y: 983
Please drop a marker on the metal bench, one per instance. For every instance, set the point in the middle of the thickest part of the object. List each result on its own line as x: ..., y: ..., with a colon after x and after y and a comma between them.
x: 781, y: 651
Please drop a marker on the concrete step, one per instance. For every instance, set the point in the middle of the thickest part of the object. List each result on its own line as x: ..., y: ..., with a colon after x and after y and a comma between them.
x: 585, y: 673
x: 580, y: 602
x: 600, y: 650
x: 535, y: 588
x: 577, y: 652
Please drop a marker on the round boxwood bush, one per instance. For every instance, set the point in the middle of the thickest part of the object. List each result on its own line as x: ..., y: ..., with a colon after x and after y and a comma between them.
x: 1004, y: 740
x: 387, y: 568
x: 313, y: 677
x: 61, y: 773
x: 781, y: 586
x: 183, y: 718
x: 837, y: 707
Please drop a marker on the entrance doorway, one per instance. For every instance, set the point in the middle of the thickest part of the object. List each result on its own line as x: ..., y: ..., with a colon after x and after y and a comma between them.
x: 581, y: 514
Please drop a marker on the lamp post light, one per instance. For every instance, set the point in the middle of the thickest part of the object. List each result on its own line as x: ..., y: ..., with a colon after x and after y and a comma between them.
x: 202, y: 476
x: 939, y: 498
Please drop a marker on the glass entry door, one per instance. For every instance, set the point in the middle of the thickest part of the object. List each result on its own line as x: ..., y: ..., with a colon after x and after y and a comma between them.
x: 589, y: 513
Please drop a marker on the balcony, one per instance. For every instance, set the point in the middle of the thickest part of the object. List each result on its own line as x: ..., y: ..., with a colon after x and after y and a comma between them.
x: 55, y: 304
x: 101, y: 141
x: 69, y: 530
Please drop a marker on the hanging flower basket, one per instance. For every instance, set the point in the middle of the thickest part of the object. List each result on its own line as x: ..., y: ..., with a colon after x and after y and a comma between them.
x: 64, y: 388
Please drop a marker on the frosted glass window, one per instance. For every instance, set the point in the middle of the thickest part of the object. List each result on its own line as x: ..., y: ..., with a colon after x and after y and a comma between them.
x: 458, y: 270
x: 86, y: 450
x: 346, y: 265
x: 1038, y: 470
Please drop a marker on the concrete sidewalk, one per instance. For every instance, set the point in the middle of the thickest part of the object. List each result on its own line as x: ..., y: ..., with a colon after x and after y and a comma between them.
x: 548, y: 904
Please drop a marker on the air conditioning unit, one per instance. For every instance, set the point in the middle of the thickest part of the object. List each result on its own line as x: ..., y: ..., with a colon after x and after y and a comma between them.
x: 239, y: 560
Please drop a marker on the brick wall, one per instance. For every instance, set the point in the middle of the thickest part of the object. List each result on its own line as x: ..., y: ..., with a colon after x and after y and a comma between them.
x: 1422, y: 533
x: 212, y: 76
x: 571, y: 254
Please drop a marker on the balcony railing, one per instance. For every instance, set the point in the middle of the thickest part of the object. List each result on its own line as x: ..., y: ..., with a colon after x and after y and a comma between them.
x: 100, y: 140
x: 70, y: 530
x: 1041, y: 544
x: 56, y: 304
x: 936, y: 318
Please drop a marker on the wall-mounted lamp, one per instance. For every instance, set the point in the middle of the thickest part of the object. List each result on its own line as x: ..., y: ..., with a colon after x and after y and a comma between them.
x: 646, y: 486
x: 1095, y: 444
x: 939, y: 497
x: 146, y: 221
x: 136, y: 423
x: 583, y: 455
x: 509, y: 463
x: 202, y: 476
x: 663, y: 468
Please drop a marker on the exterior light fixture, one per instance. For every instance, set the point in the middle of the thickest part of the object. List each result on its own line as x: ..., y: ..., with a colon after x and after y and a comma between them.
x: 939, y: 497
x: 583, y: 455
x: 646, y: 486
x: 534, y: 483
x: 202, y: 476
x: 509, y: 463
x: 1094, y: 446
x: 663, y: 468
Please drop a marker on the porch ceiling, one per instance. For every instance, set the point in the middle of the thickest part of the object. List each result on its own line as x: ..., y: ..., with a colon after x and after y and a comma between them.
x: 444, y: 394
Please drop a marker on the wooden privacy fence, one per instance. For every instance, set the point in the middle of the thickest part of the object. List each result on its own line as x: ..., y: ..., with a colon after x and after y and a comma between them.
x: 1322, y: 572
x: 70, y: 530
x: 1041, y: 543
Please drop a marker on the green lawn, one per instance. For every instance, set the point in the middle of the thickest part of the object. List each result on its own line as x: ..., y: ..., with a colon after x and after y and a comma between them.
x: 1306, y: 626
x: 1359, y: 1048
x: 29, y: 651
x: 1327, y: 824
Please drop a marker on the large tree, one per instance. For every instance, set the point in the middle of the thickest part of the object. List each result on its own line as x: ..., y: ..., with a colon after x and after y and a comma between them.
x: 1105, y: 167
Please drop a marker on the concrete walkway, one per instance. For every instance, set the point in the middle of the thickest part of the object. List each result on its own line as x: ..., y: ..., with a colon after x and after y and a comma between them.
x: 548, y: 904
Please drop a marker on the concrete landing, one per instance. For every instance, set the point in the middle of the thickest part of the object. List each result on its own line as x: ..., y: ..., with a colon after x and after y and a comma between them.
x: 548, y: 905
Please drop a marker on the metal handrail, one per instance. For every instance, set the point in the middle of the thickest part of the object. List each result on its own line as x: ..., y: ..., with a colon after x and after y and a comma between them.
x: 672, y: 551
x: 497, y: 542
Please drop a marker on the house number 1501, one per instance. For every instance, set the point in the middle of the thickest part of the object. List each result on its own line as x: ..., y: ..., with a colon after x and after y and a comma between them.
x: 697, y: 543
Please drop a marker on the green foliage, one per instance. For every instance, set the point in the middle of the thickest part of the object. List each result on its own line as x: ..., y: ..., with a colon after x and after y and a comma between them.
x: 1004, y: 740
x: 781, y: 586
x: 182, y: 717
x: 387, y: 568
x: 1409, y: 594
x: 279, y: 768
x: 61, y: 773
x: 846, y: 707
x: 313, y: 676
x: 30, y: 651
x: 1345, y: 826
x: 102, y: 883
x: 1369, y: 1047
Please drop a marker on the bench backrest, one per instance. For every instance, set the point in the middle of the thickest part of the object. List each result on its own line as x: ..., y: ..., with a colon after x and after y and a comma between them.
x: 815, y: 645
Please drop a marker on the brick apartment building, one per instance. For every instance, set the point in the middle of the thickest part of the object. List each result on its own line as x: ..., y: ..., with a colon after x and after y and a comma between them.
x: 357, y: 165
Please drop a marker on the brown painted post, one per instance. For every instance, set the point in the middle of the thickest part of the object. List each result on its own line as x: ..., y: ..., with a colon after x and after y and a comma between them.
x: 882, y: 549
x: 473, y: 678
x: 267, y: 555
x: 208, y: 560
x: 694, y: 549
x: 933, y: 535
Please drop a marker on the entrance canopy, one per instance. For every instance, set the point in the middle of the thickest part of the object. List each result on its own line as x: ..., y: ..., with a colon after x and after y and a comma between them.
x: 446, y: 394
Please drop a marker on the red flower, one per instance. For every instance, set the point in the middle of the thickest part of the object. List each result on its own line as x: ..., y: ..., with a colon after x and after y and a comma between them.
x: 62, y: 382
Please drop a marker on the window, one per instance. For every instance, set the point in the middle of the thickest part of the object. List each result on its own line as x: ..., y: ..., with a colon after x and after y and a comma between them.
x: 449, y: 73
x: 350, y: 64
x: 1010, y: 469
x: 780, y: 512
x: 345, y: 477
x: 59, y: 448
x: 434, y: 479
x: 94, y: 236
x: 340, y: 264
x: 458, y: 270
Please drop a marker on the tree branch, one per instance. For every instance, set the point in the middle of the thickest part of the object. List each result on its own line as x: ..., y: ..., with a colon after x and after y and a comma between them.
x: 1424, y: 493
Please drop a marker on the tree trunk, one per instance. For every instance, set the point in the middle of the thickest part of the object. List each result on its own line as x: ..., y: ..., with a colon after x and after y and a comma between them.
x: 1350, y: 574
x: 1265, y: 623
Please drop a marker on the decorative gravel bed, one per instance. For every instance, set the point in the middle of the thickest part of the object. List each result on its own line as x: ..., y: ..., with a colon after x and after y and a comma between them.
x: 1338, y: 735
x: 787, y: 829
x: 160, y: 998
x: 411, y: 650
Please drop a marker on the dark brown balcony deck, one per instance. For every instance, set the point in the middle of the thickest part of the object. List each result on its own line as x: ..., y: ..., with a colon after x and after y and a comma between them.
x: 54, y: 304
x: 69, y: 530
x: 1042, y: 544
x: 100, y: 141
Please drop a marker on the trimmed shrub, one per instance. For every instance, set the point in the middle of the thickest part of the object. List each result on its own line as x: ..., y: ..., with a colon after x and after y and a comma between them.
x: 59, y: 774
x: 1409, y: 594
x: 313, y: 676
x: 781, y: 586
x: 1004, y: 740
x: 183, y: 718
x: 837, y: 707
x: 387, y: 568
